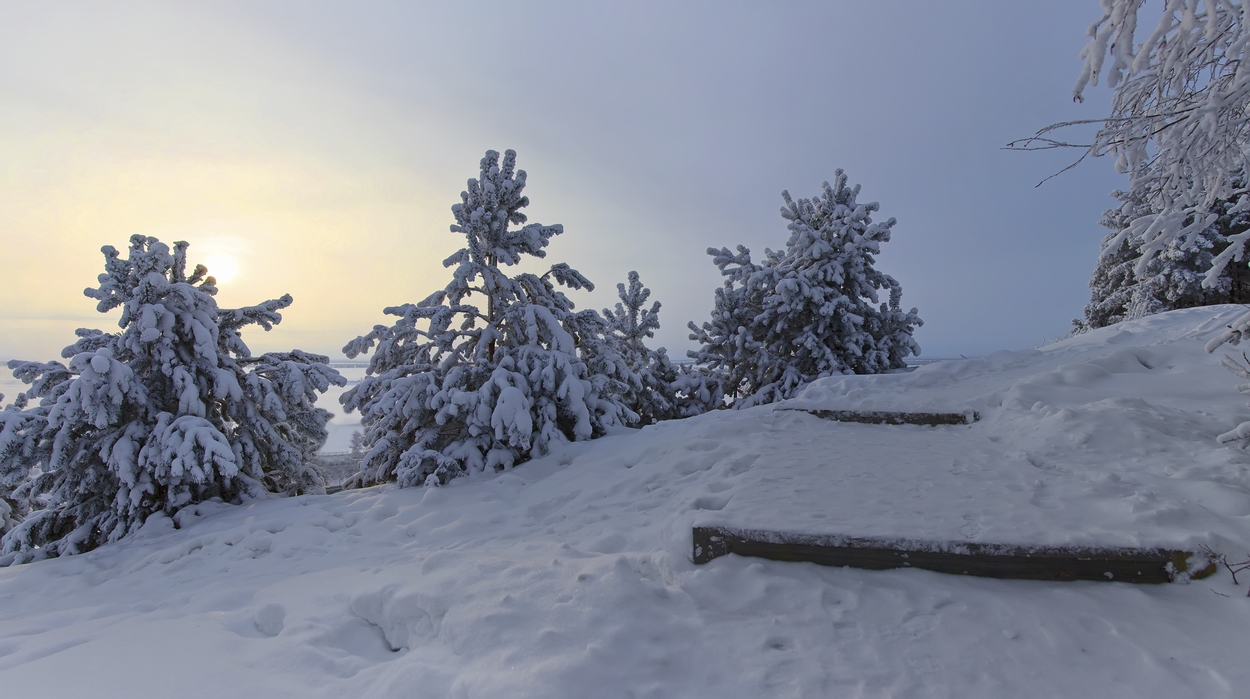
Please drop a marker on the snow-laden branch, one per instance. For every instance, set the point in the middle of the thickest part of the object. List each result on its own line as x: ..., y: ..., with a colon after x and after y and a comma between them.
x: 1179, y: 126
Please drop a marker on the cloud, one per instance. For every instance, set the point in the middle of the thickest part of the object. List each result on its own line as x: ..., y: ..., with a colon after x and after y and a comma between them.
x: 328, y: 142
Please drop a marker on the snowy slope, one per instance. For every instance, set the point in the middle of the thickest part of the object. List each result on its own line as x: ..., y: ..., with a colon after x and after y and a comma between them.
x: 570, y: 576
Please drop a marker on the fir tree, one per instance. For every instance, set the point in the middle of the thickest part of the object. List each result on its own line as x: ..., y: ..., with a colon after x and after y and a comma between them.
x: 811, y: 310
x: 357, y: 448
x: 170, y: 411
x: 13, y: 471
x: 1113, y: 281
x: 1122, y: 288
x: 657, y: 388
x: 456, y: 385
x: 632, y: 323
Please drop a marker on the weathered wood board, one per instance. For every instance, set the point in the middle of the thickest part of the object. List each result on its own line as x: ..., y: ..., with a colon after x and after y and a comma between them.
x: 957, y: 558
x: 888, y: 417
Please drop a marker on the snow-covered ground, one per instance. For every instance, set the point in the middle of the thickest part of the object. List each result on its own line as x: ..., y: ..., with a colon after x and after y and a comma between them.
x: 570, y: 576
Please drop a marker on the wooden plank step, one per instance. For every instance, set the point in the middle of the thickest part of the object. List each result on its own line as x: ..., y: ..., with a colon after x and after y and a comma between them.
x: 891, y: 417
x: 957, y: 558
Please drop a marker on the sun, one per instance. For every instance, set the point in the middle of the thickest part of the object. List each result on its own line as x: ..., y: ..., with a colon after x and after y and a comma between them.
x: 223, y: 267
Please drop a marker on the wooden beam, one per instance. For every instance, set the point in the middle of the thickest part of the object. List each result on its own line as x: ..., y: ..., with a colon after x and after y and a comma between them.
x: 890, y: 417
x: 957, y: 558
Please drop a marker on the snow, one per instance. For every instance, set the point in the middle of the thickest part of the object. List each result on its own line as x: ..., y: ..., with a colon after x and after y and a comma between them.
x: 1108, y: 438
x: 570, y: 575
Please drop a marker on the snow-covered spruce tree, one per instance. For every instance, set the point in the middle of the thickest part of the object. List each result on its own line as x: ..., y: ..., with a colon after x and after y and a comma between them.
x: 8, y: 518
x: 492, y: 369
x: 20, y: 427
x: 1111, y: 287
x: 170, y: 411
x: 811, y: 310
x: 696, y: 392
x: 11, y: 475
x: 1112, y: 283
x: 658, y: 389
x: 1174, y: 278
x: 357, y: 448
x: 13, y: 471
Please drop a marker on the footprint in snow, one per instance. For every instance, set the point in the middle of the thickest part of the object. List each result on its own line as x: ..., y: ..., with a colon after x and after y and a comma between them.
x: 710, y: 502
x: 270, y: 619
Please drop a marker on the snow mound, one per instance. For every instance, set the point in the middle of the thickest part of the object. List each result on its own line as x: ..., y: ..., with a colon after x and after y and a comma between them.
x: 570, y: 575
x: 1104, y: 439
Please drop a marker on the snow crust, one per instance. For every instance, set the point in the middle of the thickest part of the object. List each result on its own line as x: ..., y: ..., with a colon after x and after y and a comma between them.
x: 570, y: 575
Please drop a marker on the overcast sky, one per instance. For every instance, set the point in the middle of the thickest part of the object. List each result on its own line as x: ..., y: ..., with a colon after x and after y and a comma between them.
x: 316, y: 148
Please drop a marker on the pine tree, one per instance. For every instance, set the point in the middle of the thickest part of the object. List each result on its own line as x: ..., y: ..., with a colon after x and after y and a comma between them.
x: 357, y: 448
x: 13, y: 471
x: 811, y: 310
x: 729, y: 352
x: 628, y: 327
x: 658, y: 389
x: 1121, y: 288
x: 455, y: 387
x: 170, y: 411
x: 1113, y: 281
x: 20, y: 430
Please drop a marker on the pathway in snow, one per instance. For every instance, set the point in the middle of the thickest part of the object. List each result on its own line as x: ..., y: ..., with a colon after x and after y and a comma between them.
x: 956, y: 484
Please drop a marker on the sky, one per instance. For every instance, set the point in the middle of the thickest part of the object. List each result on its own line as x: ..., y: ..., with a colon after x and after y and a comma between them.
x: 315, y: 148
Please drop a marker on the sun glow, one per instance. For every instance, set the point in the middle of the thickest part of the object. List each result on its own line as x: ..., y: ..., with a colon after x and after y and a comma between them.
x: 223, y: 267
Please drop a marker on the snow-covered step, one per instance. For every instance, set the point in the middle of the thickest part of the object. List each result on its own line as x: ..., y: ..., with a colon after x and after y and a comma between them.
x: 1031, y: 486
x: 895, y: 417
x: 1062, y: 563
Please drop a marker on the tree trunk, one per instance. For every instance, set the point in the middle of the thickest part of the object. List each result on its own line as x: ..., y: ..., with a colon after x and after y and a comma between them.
x: 493, y: 263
